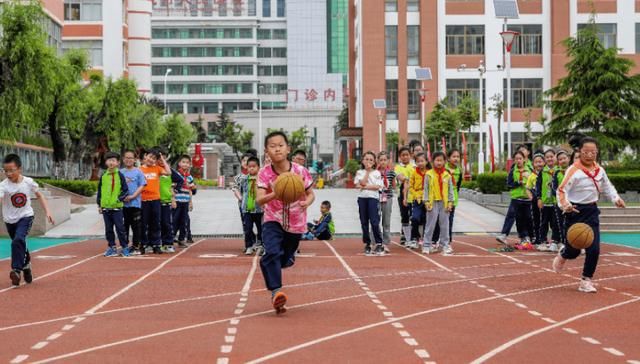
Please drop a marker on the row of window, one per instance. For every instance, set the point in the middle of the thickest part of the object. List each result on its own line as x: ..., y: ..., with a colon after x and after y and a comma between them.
x: 392, y: 5
x: 525, y: 93
x: 202, y: 52
x: 272, y: 34
x: 202, y: 33
x: 83, y: 10
x: 203, y: 88
x: 272, y: 52
x: 93, y: 48
x: 280, y: 8
x: 205, y: 7
x: 207, y: 107
x: 203, y: 70
x: 272, y: 88
x: 272, y: 70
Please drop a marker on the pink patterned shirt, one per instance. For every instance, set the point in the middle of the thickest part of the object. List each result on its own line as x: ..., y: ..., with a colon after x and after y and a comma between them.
x: 291, y: 217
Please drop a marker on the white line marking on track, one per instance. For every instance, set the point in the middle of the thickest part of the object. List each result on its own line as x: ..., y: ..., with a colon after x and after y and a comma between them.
x: 521, y: 305
x: 55, y: 336
x: 398, y: 325
x: 40, y: 345
x: 232, y: 330
x: 411, y: 342
x: 229, y: 339
x: 613, y: 351
x: 535, y: 313
x: 222, y: 361
x: 67, y: 327
x: 549, y: 320
x: 524, y: 337
x: 404, y: 333
x: 422, y: 354
x: 633, y: 361
x: 79, y: 319
x: 571, y: 331
x: 226, y: 349
x: 591, y: 340
x: 19, y: 359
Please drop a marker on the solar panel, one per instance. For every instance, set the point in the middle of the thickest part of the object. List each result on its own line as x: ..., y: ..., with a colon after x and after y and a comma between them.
x: 507, y: 9
x: 423, y: 74
x: 379, y: 104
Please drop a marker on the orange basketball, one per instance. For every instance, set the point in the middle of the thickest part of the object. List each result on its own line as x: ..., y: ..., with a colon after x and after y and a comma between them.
x: 289, y: 187
x: 580, y: 235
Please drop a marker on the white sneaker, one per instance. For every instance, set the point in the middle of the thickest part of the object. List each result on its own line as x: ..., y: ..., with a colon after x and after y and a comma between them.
x: 426, y: 250
x: 553, y: 247
x: 248, y: 251
x: 558, y: 263
x: 587, y: 286
x: 502, y: 239
x: 543, y: 247
x: 412, y: 244
x: 448, y: 250
x: 170, y: 249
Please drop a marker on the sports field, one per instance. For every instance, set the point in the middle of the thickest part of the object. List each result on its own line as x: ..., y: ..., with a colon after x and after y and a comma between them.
x: 207, y: 304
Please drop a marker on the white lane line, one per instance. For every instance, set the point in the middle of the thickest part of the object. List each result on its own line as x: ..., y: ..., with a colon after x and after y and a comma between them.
x: 571, y: 331
x: 535, y: 313
x: 79, y: 319
x: 428, y: 259
x: 67, y: 327
x: 54, y: 336
x: 521, y: 305
x: 411, y: 342
x: 226, y: 349
x: 222, y: 361
x: 232, y: 330
x: 40, y: 345
x: 229, y: 339
x: 398, y: 325
x: 549, y: 320
x: 613, y: 351
x: 404, y: 333
x: 19, y: 359
x: 235, y: 320
x: 422, y: 354
x: 526, y: 336
x: 591, y: 340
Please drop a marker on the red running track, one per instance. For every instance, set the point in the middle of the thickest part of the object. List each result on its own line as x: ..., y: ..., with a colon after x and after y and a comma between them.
x: 208, y: 304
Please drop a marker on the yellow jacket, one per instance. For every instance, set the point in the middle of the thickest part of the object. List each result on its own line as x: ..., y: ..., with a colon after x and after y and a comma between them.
x: 416, y: 186
x: 433, y: 191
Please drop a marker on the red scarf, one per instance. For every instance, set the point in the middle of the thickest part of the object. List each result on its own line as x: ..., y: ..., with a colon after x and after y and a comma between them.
x: 520, y: 173
x: 385, y: 174
x: 590, y: 174
x: 440, y: 172
x: 421, y: 174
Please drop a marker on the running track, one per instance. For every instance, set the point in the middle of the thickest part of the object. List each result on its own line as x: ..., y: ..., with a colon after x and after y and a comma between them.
x: 204, y: 304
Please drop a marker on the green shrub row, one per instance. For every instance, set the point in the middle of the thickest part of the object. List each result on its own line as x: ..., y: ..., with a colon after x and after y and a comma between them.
x: 496, y: 183
x: 84, y: 188
x: 206, y: 183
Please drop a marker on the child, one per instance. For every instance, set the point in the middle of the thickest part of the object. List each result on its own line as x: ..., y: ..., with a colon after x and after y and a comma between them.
x: 151, y: 207
x: 415, y: 196
x: 510, y: 217
x: 112, y: 190
x: 323, y: 229
x: 250, y: 209
x: 558, y: 177
x: 547, y: 202
x: 386, y: 196
x: 169, y: 184
x: 438, y: 198
x: 132, y: 203
x: 237, y: 182
x: 369, y: 180
x: 403, y: 172
x: 300, y: 157
x: 184, y: 201
x: 453, y: 159
x: 15, y: 194
x: 283, y: 223
x: 538, y: 166
x: 578, y: 197
x: 520, y: 202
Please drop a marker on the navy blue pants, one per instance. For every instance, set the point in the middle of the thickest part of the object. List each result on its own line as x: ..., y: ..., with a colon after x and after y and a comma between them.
x: 522, y: 210
x: 549, y: 219
x: 323, y: 235
x: 418, y: 217
x: 166, y: 224
x: 151, y: 223
x: 405, y: 215
x: 590, y: 215
x: 114, y: 219
x: 279, y: 252
x: 249, y: 221
x: 133, y: 222
x: 561, y: 218
x: 188, y: 227
x: 509, y: 219
x: 370, y: 215
x: 436, y: 231
x: 18, y: 232
x: 536, y: 216
x: 180, y: 216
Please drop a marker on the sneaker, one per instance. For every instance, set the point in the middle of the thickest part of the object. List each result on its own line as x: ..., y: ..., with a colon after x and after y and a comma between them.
x: 587, y: 286
x: 28, y: 274
x: 367, y: 249
x: 248, y: 251
x: 111, y: 252
x: 125, y: 252
x: 169, y: 249
x: 150, y: 249
x: 448, y: 250
x: 15, y: 277
x: 182, y: 244
x: 426, y: 249
x: 379, y: 249
x: 279, y: 301
x: 156, y: 249
x: 189, y: 241
x: 134, y: 251
x: 542, y: 247
x: 558, y: 263
x: 386, y: 249
x: 553, y: 247
x: 502, y: 239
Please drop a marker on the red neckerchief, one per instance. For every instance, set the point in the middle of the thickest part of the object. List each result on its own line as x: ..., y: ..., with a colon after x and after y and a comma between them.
x: 421, y: 176
x: 440, y: 172
x: 590, y: 174
x: 520, y: 173
x: 185, y: 173
x: 113, y: 181
x: 385, y: 173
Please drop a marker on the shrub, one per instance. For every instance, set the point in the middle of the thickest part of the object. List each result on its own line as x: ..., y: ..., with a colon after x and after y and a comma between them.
x: 492, y: 183
x: 471, y: 185
x: 206, y: 183
x: 352, y: 166
x: 80, y: 187
x: 626, y: 181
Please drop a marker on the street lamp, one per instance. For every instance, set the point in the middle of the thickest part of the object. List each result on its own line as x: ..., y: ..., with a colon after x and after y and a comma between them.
x: 380, y: 105
x: 508, y: 36
x: 166, y: 74
x: 422, y: 74
x: 260, y: 146
x: 481, y: 71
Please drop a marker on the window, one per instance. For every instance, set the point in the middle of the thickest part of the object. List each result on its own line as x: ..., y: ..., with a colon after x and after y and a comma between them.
x: 525, y: 92
x: 264, y: 33
x: 279, y: 34
x: 281, y: 9
x: 203, y: 88
x: 279, y: 52
x: 237, y: 7
x: 606, y: 33
x: 174, y: 107
x: 202, y: 52
x: 637, y: 37
x: 392, y: 99
x: 83, y: 10
x: 458, y: 89
x: 279, y: 70
x: 529, y: 41
x: 199, y: 33
x: 202, y: 108
x: 222, y: 7
x: 272, y: 88
x: 465, y: 39
x: 93, y: 47
x: 264, y: 71
x: 413, y: 87
x: 266, y: 8
x: 391, y: 5
x: 413, y: 45
x: 391, y: 45
x: 264, y: 52
x: 251, y: 8
x: 413, y: 5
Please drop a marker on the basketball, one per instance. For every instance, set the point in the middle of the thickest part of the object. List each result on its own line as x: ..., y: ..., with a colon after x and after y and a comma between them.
x: 580, y: 236
x: 289, y: 187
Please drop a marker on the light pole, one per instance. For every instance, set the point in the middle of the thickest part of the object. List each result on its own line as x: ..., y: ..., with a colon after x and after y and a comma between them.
x: 166, y: 74
x: 508, y: 36
x: 481, y: 71
x: 422, y: 74
x: 380, y: 105
x: 260, y: 146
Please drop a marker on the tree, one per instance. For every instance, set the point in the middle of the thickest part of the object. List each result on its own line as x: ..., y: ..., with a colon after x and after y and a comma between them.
x: 27, y: 68
x: 226, y: 131
x: 441, y: 122
x: 598, y: 97
x: 175, y: 136
x: 497, y: 108
x: 343, y: 118
x: 468, y: 115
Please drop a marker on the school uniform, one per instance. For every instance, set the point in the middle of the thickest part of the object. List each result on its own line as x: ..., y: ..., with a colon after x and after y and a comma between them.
x: 535, y: 211
x: 520, y: 203
x: 132, y: 210
x: 456, y: 178
x: 416, y: 196
x: 438, y: 196
x: 369, y: 205
x: 112, y: 190
x: 557, y: 179
x: 405, y: 211
x: 544, y: 192
x: 386, y: 202
x: 251, y: 211
x: 180, y: 215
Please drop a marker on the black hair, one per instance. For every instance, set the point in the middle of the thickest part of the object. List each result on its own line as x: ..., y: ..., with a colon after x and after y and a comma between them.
x: 413, y: 143
x: 404, y: 149
x: 574, y: 140
x: 254, y: 159
x: 111, y: 155
x: 383, y: 153
x: 252, y: 152
x: 129, y: 151
x: 185, y: 156
x: 247, y: 155
x: 523, y: 146
x: 300, y: 152
x: 549, y: 151
x: 587, y: 140
x: 13, y: 158
x: 326, y: 204
x: 375, y: 165
x: 518, y: 152
x: 561, y: 151
x: 537, y: 155
x: 451, y: 151
x: 438, y: 154
x: 274, y: 134
x: 573, y: 155
x: 420, y: 155
x: 154, y: 152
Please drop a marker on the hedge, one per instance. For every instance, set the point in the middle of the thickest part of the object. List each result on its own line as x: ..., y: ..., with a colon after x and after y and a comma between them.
x: 84, y: 188
x: 471, y: 185
x: 206, y: 183
x: 496, y: 183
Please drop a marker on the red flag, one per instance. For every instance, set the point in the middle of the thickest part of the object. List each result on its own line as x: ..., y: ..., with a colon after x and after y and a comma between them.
x: 428, y: 151
x: 493, y: 166
x: 444, y: 146
x: 465, y: 160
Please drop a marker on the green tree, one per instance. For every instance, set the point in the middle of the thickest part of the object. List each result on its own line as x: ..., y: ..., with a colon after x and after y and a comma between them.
x: 441, y: 122
x: 468, y: 113
x: 498, y: 107
x: 27, y: 68
x: 343, y: 118
x: 598, y: 97
x: 226, y: 131
x: 176, y: 135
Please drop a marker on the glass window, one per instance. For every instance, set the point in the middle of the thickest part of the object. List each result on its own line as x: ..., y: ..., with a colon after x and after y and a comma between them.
x: 413, y: 45
x: 211, y: 108
x: 391, y: 45
x: 264, y: 33
x: 390, y: 5
x: 607, y: 33
x: 525, y: 92
x: 529, y: 41
x: 264, y: 71
x: 222, y: 7
x: 71, y: 11
x: 93, y: 47
x: 246, y: 33
x: 458, y: 89
x: 266, y: 8
x: 281, y: 8
x: 637, y: 37
x: 413, y: 5
x: 392, y: 99
x: 465, y: 39
x: 237, y: 7
x: 264, y: 52
x: 413, y: 87
x: 251, y: 8
x: 279, y: 70
x: 279, y: 34
x: 86, y: 10
x: 279, y: 52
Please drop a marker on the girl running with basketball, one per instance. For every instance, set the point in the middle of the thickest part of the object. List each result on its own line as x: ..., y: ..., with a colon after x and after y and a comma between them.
x: 578, y: 196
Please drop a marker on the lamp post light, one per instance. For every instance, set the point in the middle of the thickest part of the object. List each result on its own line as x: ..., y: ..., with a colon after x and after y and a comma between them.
x: 422, y: 74
x: 381, y: 106
x: 260, y: 141
x: 508, y: 36
x: 166, y: 74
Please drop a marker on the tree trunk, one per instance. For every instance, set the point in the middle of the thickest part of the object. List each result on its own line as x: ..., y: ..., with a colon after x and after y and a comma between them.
x: 59, y: 153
